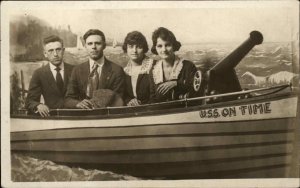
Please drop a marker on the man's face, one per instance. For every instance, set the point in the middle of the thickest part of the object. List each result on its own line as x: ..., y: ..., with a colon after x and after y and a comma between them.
x: 95, y: 46
x: 54, y: 52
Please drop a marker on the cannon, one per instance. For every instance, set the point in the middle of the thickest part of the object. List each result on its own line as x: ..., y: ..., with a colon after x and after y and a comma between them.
x: 222, y: 77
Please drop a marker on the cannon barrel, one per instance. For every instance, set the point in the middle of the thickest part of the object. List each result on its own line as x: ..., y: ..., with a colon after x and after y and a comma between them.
x: 233, y: 59
x: 222, y: 77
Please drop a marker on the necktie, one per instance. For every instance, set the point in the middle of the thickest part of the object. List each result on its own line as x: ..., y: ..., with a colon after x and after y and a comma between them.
x: 59, y: 80
x: 93, y: 81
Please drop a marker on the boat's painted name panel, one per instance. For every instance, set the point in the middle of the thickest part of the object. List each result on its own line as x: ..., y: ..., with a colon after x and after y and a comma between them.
x: 248, y: 110
x: 283, y: 108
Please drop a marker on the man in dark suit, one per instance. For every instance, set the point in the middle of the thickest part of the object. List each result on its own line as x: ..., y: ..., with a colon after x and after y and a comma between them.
x: 50, y: 80
x: 97, y: 73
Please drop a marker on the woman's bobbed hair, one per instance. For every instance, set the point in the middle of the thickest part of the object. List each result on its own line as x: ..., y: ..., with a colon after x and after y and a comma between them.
x: 137, y: 38
x: 165, y: 35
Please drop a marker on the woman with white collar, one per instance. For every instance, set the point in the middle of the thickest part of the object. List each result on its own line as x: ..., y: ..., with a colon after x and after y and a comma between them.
x: 137, y: 81
x: 172, y: 77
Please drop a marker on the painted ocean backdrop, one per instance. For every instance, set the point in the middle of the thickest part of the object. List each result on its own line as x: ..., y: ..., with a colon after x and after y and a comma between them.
x: 266, y: 64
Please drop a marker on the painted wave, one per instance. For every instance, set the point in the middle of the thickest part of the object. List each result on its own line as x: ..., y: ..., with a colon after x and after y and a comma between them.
x: 27, y: 169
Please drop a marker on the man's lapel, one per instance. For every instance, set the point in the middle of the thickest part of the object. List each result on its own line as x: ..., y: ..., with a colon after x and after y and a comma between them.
x: 105, y: 74
x: 67, y: 74
x: 50, y: 78
x: 85, y: 73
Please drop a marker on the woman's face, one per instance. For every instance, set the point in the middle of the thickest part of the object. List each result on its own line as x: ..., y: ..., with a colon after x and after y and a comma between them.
x: 164, y: 49
x: 135, y: 52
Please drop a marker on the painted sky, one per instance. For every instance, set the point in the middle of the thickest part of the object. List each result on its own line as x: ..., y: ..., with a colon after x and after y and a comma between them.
x: 190, y: 25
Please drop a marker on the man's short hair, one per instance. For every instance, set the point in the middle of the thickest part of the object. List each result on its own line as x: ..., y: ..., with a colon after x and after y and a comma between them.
x: 52, y: 38
x: 94, y: 32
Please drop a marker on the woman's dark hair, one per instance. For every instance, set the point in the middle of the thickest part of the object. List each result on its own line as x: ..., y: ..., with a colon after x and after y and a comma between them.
x: 137, y: 38
x: 94, y: 32
x: 165, y: 35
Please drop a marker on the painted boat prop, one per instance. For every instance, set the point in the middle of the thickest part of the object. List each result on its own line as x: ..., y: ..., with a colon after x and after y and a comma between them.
x: 247, y: 134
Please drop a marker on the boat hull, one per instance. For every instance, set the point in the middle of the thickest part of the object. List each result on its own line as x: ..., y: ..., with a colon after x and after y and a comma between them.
x: 254, y: 148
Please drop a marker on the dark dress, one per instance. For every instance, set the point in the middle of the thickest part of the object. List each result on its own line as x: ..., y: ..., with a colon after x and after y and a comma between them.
x: 142, y: 84
x: 183, y: 74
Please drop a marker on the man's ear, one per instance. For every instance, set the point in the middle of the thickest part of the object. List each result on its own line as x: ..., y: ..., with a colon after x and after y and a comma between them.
x: 104, y: 46
x: 45, y: 54
x: 84, y: 44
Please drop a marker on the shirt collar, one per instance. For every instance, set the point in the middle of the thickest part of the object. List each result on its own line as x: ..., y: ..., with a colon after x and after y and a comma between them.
x: 145, y: 66
x: 158, y: 75
x: 100, y: 62
x: 53, y: 67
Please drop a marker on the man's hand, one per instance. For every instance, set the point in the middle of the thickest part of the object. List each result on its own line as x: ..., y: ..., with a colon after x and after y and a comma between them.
x: 85, y: 104
x: 165, y: 87
x: 134, y: 102
x: 43, y: 110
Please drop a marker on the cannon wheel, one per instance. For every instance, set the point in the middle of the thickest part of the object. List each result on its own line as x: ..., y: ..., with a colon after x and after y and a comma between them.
x: 197, y: 80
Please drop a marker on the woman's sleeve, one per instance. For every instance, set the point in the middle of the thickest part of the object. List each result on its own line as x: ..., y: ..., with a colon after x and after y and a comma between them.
x: 126, y: 96
x: 152, y: 96
x: 185, y: 83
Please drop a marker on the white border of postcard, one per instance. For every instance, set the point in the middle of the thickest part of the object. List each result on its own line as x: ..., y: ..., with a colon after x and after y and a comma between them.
x: 9, y: 7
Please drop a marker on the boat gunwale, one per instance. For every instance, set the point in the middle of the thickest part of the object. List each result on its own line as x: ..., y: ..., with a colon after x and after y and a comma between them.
x: 152, y: 112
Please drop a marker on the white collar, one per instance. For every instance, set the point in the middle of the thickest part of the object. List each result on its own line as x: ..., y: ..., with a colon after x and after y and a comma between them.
x: 158, y: 73
x: 53, y: 67
x: 100, y: 62
x: 145, y: 69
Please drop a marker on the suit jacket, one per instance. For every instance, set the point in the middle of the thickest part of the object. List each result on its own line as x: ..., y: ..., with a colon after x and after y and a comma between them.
x: 142, y: 89
x: 112, y: 77
x: 184, y: 84
x: 43, y: 83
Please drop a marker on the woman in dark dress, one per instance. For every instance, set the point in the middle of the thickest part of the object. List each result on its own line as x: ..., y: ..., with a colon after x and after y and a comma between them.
x: 137, y: 83
x: 172, y: 77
